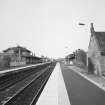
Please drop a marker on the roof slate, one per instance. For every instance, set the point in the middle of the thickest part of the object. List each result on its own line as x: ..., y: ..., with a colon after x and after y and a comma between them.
x: 100, y: 37
x: 17, y: 48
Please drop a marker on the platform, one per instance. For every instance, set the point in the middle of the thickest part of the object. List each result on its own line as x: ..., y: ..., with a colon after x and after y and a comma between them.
x: 55, y: 92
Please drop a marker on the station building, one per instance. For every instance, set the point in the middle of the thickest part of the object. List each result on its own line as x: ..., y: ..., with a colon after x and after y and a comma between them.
x: 96, y: 52
x: 18, y: 56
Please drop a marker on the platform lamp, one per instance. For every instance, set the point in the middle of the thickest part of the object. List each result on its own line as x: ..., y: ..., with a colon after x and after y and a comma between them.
x: 82, y: 24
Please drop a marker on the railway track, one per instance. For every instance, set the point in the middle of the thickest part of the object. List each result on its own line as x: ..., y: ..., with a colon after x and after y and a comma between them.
x: 31, y: 92
x: 11, y: 78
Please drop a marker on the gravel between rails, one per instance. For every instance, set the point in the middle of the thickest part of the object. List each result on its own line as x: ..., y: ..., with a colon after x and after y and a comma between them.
x: 15, y: 89
x: 10, y: 79
x: 26, y: 96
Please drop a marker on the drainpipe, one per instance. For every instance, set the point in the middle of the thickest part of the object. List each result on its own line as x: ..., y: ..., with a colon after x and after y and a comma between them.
x: 87, y: 62
x: 19, y: 55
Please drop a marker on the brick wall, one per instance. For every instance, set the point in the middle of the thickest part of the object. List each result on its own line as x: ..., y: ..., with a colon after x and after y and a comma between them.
x: 102, y: 64
x: 93, y: 56
x: 17, y: 63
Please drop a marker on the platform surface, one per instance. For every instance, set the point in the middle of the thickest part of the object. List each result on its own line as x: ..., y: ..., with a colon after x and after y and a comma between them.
x: 55, y: 92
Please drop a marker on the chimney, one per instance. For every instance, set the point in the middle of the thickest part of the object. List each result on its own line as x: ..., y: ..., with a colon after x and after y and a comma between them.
x: 92, y: 29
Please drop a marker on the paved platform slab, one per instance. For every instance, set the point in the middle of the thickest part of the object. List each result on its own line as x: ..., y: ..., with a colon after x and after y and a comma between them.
x: 81, y: 91
x: 97, y: 80
x: 54, y: 92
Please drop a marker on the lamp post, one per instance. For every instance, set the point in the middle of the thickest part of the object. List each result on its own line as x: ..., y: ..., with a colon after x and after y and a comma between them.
x: 19, y: 54
x: 81, y: 24
x: 92, y: 28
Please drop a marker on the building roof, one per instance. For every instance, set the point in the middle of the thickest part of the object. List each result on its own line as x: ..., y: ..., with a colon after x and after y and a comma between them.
x: 100, y: 37
x: 17, y: 48
x: 31, y: 56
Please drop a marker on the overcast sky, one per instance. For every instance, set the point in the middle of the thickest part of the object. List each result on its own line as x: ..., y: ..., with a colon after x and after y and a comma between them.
x: 49, y: 27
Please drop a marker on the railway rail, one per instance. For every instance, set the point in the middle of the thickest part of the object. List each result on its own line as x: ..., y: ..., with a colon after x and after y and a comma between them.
x: 31, y: 92
x: 14, y: 77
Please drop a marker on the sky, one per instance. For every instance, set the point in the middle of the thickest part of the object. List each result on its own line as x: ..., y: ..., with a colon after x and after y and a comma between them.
x: 49, y: 27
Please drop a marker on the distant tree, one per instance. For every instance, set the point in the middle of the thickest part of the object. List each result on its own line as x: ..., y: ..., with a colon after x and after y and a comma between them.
x: 81, y: 56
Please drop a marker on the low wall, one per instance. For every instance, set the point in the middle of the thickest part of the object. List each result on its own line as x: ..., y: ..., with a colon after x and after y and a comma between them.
x: 17, y: 63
